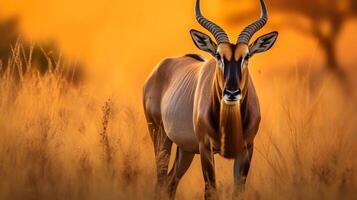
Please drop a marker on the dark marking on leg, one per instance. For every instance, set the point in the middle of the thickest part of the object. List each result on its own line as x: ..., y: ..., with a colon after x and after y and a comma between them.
x: 207, y: 163
x: 183, y: 161
x: 241, y: 169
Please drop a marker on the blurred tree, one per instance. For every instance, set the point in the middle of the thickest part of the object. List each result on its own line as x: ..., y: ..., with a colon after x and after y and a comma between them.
x: 8, y: 35
x: 44, y: 57
x: 326, y: 18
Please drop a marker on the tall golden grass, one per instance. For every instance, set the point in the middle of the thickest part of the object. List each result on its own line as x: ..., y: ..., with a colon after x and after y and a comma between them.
x: 59, y: 141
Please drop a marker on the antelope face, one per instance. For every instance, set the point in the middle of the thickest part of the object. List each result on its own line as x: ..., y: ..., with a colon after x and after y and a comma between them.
x: 232, y: 62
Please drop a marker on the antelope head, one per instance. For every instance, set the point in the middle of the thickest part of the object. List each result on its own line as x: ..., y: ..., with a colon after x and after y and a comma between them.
x: 232, y: 59
x: 232, y: 72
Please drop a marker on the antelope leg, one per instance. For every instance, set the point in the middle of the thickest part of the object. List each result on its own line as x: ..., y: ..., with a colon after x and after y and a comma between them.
x: 207, y: 163
x: 241, y: 169
x: 162, y: 147
x: 183, y: 161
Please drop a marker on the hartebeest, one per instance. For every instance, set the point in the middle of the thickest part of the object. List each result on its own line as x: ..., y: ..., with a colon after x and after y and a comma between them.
x: 206, y: 107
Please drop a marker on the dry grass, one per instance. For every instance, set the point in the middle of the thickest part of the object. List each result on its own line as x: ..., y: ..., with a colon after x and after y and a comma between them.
x: 64, y: 142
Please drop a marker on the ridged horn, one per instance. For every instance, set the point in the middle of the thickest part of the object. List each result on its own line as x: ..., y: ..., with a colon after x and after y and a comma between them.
x: 249, y: 31
x: 217, y: 31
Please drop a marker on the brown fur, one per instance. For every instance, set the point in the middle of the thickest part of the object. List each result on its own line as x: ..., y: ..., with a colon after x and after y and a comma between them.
x: 231, y: 131
x: 241, y: 51
x: 225, y: 50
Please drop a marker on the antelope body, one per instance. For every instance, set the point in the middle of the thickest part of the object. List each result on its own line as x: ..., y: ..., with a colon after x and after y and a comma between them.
x: 206, y: 107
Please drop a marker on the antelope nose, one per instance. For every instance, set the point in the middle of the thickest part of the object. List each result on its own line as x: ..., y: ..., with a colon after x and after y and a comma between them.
x: 231, y: 96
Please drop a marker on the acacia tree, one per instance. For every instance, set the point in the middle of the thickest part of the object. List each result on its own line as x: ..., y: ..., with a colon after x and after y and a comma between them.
x: 326, y: 17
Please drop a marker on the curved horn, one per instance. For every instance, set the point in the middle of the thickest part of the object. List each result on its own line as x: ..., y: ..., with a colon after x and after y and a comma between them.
x: 217, y: 31
x: 249, y: 31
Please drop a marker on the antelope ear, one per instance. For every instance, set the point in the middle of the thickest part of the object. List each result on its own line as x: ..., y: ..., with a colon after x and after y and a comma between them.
x: 203, y: 42
x: 263, y: 43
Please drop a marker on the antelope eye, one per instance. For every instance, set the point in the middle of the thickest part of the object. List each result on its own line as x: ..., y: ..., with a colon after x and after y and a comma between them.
x: 246, y: 58
x: 245, y: 61
x: 220, y: 61
x: 218, y: 57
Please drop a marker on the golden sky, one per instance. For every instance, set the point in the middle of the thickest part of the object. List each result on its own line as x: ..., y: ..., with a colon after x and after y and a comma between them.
x: 123, y: 37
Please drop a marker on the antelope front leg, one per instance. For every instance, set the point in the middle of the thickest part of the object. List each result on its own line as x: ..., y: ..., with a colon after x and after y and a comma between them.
x: 207, y: 163
x: 241, y: 169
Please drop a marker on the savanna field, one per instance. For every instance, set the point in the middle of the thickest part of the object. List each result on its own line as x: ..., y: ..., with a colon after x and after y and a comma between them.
x: 65, y: 140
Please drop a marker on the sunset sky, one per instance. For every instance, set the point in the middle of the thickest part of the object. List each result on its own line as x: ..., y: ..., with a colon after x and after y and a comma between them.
x: 124, y: 37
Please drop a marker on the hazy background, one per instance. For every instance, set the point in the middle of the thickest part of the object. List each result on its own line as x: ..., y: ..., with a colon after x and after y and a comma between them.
x: 87, y: 138
x: 123, y: 40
